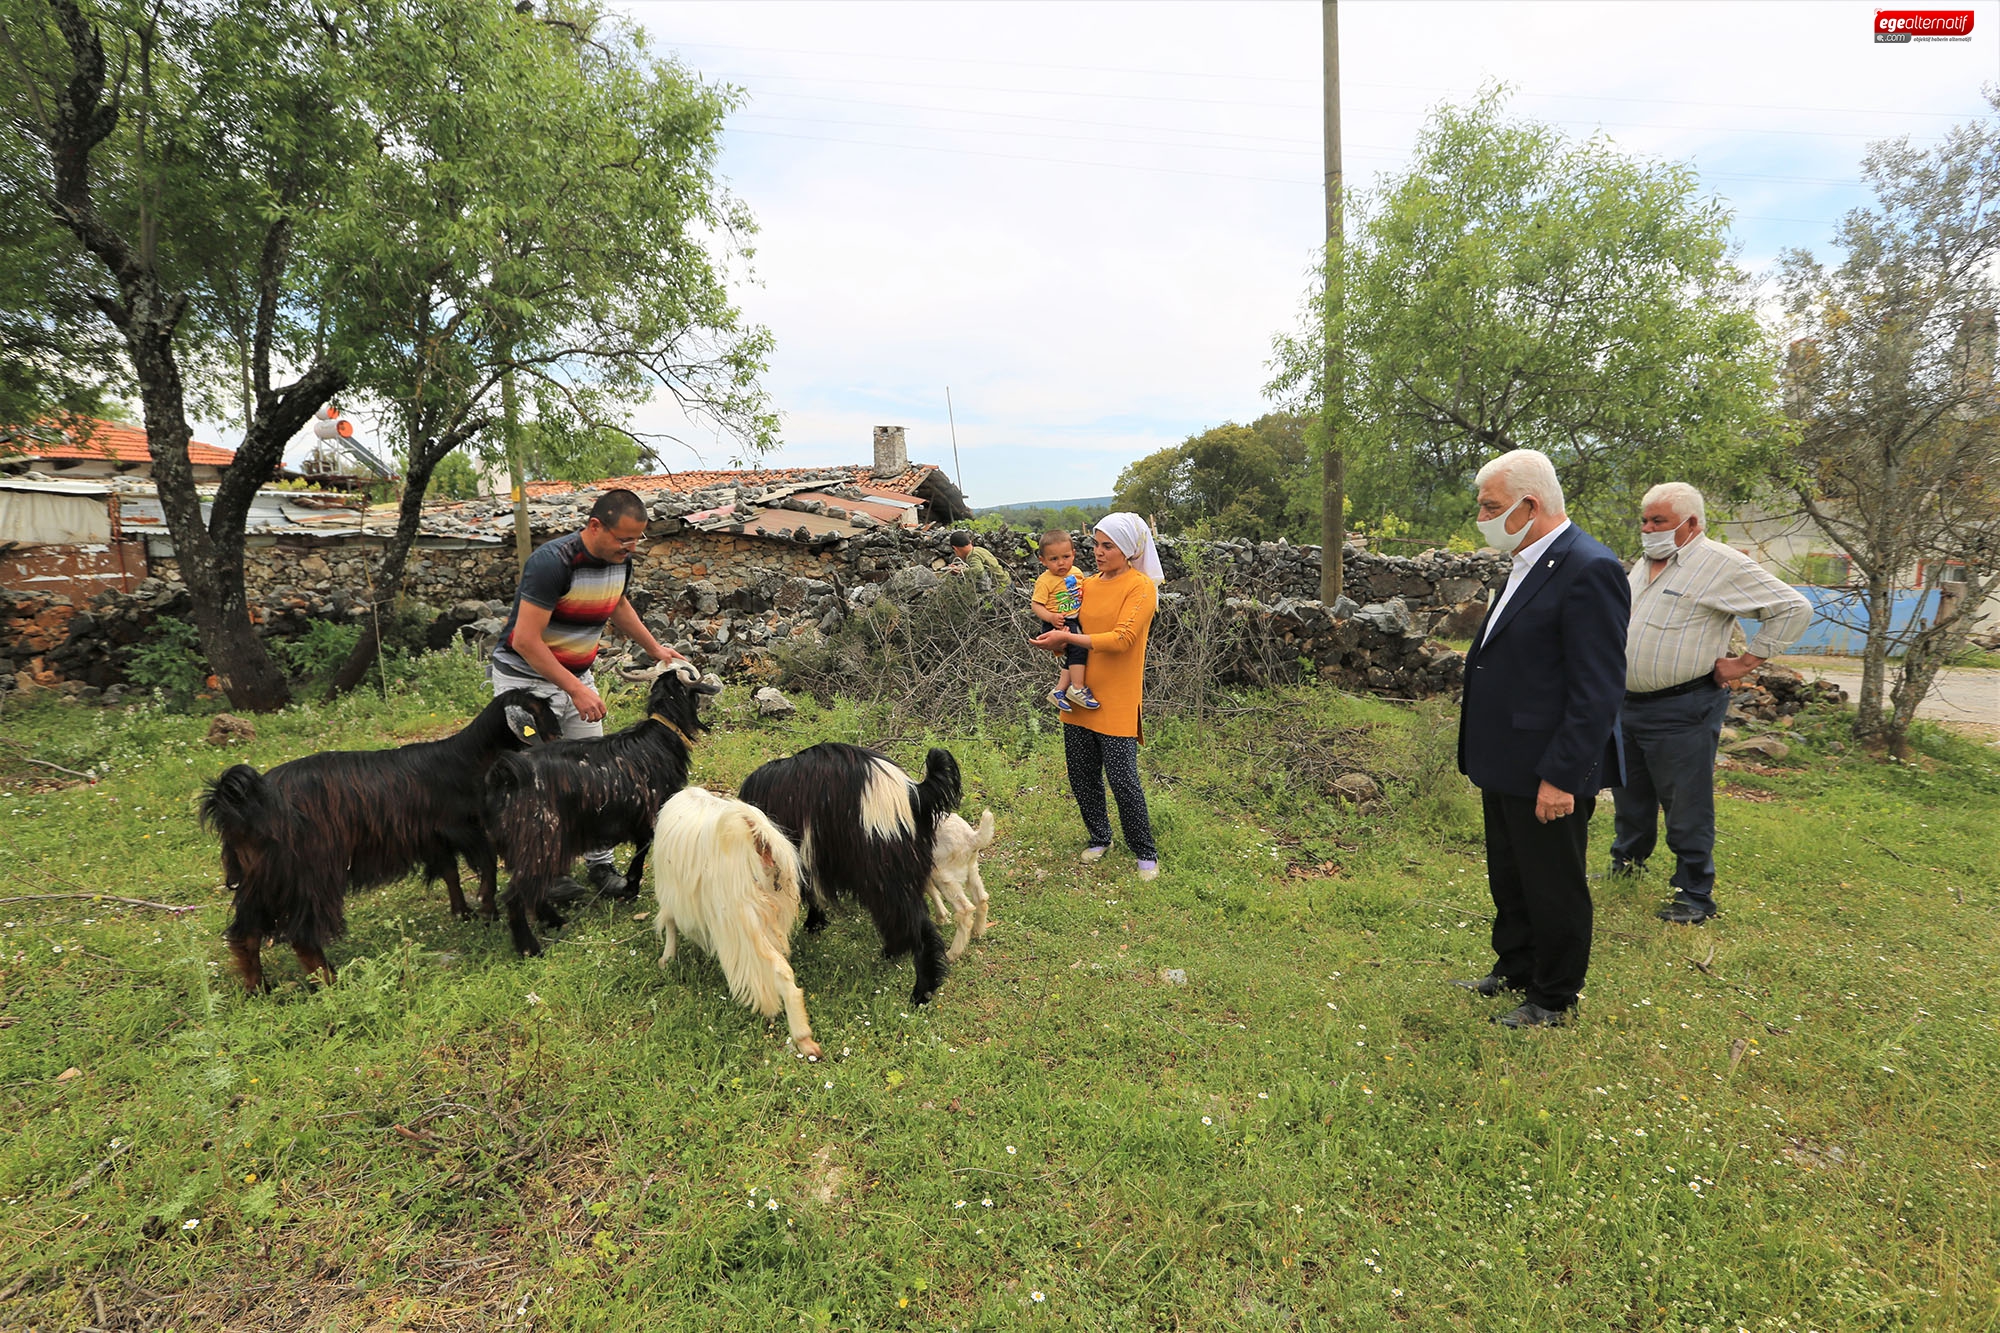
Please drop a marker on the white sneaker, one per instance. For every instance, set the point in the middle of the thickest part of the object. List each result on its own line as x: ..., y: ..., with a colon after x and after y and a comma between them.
x: 1092, y: 855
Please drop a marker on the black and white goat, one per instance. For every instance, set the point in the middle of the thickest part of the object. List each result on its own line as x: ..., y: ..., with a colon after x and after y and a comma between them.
x: 729, y: 880
x: 546, y: 807
x: 298, y: 839
x: 864, y: 831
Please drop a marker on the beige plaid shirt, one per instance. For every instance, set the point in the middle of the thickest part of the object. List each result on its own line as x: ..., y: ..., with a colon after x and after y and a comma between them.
x: 1682, y: 618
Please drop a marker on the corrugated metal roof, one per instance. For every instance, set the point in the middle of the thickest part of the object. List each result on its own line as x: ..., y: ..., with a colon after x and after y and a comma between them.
x: 686, y: 483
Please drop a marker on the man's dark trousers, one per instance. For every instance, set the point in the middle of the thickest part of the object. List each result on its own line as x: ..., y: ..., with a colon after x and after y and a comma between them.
x: 1670, y: 766
x: 1541, y: 897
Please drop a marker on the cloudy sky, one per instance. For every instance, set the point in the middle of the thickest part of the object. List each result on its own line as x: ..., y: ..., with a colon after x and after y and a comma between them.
x: 1088, y: 220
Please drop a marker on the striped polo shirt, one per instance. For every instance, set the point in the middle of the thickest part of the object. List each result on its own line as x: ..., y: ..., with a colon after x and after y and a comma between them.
x: 579, y: 592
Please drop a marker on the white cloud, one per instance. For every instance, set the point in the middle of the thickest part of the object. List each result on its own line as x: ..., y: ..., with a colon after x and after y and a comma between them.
x: 925, y: 220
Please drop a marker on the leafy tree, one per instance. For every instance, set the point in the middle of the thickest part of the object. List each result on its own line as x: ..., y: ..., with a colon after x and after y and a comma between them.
x: 409, y: 198
x: 1891, y: 383
x: 547, y: 215
x: 1516, y: 289
x: 168, y: 191
x: 1256, y: 481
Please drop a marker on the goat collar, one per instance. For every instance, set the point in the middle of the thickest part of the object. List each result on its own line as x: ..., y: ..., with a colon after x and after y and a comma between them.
x: 685, y: 738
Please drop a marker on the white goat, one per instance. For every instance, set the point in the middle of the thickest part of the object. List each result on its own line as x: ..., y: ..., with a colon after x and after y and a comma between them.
x: 727, y: 876
x: 955, y: 879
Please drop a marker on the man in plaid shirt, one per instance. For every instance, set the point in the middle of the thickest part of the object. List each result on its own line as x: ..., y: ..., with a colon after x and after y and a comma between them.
x: 1687, y: 594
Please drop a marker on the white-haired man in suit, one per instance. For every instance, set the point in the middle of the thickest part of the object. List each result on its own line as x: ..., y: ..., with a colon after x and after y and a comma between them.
x: 1538, y: 732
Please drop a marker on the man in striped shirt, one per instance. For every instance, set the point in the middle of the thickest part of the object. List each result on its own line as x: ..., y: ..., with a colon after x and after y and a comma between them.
x: 1687, y: 593
x: 570, y: 589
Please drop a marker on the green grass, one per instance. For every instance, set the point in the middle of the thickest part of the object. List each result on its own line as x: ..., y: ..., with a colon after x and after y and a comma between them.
x: 1781, y: 1121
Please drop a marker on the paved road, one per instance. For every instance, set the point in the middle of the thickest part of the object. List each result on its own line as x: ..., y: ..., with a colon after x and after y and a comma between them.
x: 1968, y: 695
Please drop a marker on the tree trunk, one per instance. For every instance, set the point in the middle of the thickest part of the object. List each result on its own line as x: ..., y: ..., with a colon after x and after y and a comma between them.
x: 424, y: 461
x: 209, y: 549
x: 1868, y: 720
x: 211, y: 563
x: 1930, y: 649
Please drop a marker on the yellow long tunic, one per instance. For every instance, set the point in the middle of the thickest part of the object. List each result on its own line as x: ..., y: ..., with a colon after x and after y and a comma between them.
x: 1117, y: 614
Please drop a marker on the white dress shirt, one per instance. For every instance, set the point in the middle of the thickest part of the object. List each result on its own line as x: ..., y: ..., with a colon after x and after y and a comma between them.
x: 1524, y: 560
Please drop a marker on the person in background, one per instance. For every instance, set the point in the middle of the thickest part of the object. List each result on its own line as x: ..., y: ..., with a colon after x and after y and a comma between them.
x: 1687, y: 594
x: 982, y: 562
x: 1103, y: 743
x: 1538, y: 731
x: 570, y: 588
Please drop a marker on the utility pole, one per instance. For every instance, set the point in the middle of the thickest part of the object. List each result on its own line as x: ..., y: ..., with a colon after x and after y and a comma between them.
x: 1333, y: 466
x: 510, y: 426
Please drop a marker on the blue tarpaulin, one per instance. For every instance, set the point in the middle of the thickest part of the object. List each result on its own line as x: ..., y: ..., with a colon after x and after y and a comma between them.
x: 1839, y: 625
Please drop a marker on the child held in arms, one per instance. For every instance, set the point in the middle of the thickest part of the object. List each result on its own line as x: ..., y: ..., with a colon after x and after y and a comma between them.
x: 1057, y: 599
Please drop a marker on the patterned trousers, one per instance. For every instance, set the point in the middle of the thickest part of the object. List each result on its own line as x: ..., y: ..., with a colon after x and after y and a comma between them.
x: 1092, y: 759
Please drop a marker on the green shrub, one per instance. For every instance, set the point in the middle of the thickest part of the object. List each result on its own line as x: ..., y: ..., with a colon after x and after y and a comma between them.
x: 318, y: 653
x: 168, y: 664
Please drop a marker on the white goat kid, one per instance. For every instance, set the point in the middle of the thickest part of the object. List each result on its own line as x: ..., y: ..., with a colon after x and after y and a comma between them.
x: 955, y: 879
x: 729, y: 879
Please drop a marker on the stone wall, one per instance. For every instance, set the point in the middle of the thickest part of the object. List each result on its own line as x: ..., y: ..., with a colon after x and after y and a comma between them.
x: 732, y: 601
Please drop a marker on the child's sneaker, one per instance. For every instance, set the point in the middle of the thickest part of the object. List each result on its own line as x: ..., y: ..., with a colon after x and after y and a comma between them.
x: 1056, y: 698
x: 1081, y: 696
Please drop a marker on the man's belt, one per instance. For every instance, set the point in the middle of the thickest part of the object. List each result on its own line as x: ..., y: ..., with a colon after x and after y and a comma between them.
x: 1685, y: 687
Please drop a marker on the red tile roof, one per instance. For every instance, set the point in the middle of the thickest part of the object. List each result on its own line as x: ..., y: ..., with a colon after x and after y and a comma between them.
x: 683, y: 483
x: 118, y: 443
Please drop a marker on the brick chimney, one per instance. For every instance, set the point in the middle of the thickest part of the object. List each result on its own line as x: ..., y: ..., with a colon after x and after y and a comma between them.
x: 892, y: 459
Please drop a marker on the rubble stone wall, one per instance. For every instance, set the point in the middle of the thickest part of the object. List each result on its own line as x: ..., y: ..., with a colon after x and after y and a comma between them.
x: 732, y: 600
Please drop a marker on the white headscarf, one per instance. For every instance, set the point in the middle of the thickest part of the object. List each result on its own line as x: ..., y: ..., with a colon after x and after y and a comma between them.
x: 1130, y: 534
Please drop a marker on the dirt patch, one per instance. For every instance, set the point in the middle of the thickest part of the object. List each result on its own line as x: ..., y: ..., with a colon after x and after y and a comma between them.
x: 1754, y: 794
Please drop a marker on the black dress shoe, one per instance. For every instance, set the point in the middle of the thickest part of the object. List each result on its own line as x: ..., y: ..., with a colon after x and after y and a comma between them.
x: 610, y: 884
x: 1686, y: 914
x: 565, y: 891
x: 1532, y: 1015
x: 1489, y: 985
x: 1627, y: 869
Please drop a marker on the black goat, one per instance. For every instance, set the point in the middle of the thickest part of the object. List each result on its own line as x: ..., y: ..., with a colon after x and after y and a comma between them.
x: 546, y: 807
x: 298, y: 839
x: 865, y: 831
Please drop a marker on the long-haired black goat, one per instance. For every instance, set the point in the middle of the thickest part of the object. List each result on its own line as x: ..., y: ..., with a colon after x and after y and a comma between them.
x: 546, y: 807
x: 298, y: 839
x: 865, y: 831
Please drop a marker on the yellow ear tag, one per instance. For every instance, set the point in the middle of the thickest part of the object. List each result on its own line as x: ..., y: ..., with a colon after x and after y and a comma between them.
x: 527, y: 731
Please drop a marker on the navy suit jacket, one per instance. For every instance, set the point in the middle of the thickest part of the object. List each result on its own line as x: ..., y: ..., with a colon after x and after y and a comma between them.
x: 1542, y: 693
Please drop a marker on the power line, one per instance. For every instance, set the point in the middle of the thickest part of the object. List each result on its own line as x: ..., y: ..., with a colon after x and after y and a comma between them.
x: 1378, y: 150
x: 1292, y: 106
x: 1024, y: 157
x: 1274, y: 78
x: 1122, y: 166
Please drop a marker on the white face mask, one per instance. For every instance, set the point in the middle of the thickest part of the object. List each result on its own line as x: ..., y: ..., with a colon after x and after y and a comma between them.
x: 1659, y: 545
x: 1494, y: 530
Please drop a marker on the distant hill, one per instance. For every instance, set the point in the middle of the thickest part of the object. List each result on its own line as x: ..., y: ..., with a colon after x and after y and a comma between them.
x: 1094, y: 502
